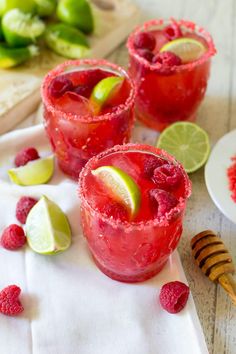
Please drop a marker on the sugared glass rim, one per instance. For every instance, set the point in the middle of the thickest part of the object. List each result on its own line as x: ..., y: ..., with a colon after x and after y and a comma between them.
x: 189, y: 25
x: 159, y: 221
x: 100, y: 63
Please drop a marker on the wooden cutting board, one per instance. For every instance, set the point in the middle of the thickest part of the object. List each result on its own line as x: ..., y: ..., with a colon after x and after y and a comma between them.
x: 20, y: 87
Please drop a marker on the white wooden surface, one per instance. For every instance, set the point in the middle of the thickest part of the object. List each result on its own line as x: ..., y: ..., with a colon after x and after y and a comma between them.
x: 217, y: 115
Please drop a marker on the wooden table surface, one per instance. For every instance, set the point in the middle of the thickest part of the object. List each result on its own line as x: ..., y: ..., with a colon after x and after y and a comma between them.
x: 218, y: 116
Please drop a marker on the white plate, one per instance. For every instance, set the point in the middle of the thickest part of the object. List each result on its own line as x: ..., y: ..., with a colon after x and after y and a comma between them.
x: 216, y: 175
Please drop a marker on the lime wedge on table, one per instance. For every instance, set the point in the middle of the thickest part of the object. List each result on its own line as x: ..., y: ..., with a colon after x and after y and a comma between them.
x: 121, y: 186
x: 104, y: 91
x: 188, y: 49
x: 187, y: 142
x: 35, y: 172
x: 47, y: 228
x: 10, y: 57
x: 45, y: 7
x: 23, y: 5
x: 21, y: 29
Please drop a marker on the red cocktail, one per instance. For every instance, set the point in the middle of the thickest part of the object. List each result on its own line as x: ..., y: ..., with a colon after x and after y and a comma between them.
x: 168, y: 89
x: 77, y: 131
x: 134, y: 250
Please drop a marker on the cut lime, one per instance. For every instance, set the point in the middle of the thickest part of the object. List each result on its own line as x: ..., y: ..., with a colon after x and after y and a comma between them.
x: 76, y: 13
x: 188, y: 49
x: 10, y: 57
x: 47, y: 228
x: 104, y: 91
x: 121, y: 186
x: 23, y: 5
x: 67, y: 41
x: 21, y: 29
x: 35, y: 172
x: 45, y: 7
x: 187, y: 142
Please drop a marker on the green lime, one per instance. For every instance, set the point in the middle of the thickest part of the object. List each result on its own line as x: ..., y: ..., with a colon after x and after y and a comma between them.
x: 23, y: 5
x: 76, y: 13
x: 187, y: 142
x: 104, y: 91
x: 1, y: 32
x: 10, y: 57
x: 188, y: 49
x: 47, y: 228
x: 21, y: 29
x: 67, y: 41
x: 121, y: 186
x: 45, y: 7
x: 34, y: 172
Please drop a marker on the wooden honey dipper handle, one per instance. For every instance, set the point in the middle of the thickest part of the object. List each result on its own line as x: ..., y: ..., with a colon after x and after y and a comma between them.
x: 227, y: 282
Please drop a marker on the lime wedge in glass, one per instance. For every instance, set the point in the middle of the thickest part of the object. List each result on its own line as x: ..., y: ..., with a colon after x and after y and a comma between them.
x: 34, y: 172
x: 10, y: 57
x: 188, y: 143
x: 45, y: 7
x: 21, y: 29
x: 67, y: 41
x: 188, y: 49
x: 47, y: 228
x: 76, y: 13
x: 23, y: 5
x: 121, y: 186
x: 104, y: 91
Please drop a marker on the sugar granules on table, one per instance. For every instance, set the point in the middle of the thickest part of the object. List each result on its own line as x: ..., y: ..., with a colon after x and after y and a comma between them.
x: 231, y: 173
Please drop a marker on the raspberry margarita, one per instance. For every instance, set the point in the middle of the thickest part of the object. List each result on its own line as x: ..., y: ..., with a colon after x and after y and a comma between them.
x: 134, y: 248
x: 169, y: 88
x: 76, y: 128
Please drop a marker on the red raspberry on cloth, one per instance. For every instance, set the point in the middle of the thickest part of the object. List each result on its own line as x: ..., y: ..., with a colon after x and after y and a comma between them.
x: 173, y: 296
x: 9, y: 301
x: 13, y: 237
x: 144, y: 40
x: 23, y: 207
x: 25, y: 155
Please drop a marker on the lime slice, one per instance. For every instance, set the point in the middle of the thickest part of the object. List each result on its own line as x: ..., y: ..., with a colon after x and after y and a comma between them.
x: 21, y: 29
x: 104, y: 91
x: 188, y: 49
x: 76, y: 13
x: 10, y: 57
x: 47, y: 228
x: 187, y: 142
x: 67, y: 41
x: 35, y: 172
x: 45, y: 7
x: 121, y: 186
x: 23, y: 5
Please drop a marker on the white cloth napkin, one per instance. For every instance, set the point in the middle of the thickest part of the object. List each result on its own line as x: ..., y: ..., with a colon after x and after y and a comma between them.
x: 70, y: 306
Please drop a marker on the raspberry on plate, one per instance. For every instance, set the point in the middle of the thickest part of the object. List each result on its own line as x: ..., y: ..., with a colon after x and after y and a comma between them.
x: 144, y: 40
x: 59, y: 86
x: 23, y: 207
x: 25, y: 155
x: 13, y: 237
x: 166, y: 59
x: 174, y: 296
x: 172, y: 32
x: 10, y: 304
x: 163, y: 201
x: 146, y: 54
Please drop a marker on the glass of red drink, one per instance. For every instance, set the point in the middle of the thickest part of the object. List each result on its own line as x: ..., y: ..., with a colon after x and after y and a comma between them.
x: 167, y: 90
x: 134, y: 250
x: 75, y: 132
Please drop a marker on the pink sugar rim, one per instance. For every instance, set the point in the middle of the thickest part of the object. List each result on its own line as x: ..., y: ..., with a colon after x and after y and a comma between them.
x: 184, y: 23
x: 160, y: 221
x: 129, y: 103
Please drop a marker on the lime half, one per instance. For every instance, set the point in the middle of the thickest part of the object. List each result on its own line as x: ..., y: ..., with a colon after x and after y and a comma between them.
x: 35, y: 172
x: 188, y: 49
x: 47, y: 228
x: 23, y: 5
x: 121, y: 186
x: 188, y: 143
x: 45, y: 7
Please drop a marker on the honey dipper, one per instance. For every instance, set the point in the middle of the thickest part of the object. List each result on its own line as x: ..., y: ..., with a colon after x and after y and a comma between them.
x: 214, y: 260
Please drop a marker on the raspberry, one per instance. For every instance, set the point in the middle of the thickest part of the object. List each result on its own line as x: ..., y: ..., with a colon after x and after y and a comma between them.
x: 83, y: 90
x: 25, y: 155
x: 9, y: 301
x: 13, y: 237
x: 23, y: 207
x: 144, y: 40
x: 59, y: 86
x: 167, y: 176
x: 162, y: 201
x: 115, y: 210
x: 151, y: 163
x: 173, y: 296
x: 172, y: 32
x: 167, y: 59
x: 146, y: 54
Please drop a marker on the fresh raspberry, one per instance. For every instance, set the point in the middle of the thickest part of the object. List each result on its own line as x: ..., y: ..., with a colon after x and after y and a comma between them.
x: 25, y: 155
x: 162, y: 201
x: 151, y: 163
x: 173, y: 296
x: 146, y: 54
x: 59, y: 86
x: 172, y: 32
x: 167, y: 59
x: 115, y: 210
x: 9, y: 301
x: 167, y: 176
x: 13, y: 237
x: 144, y: 40
x: 23, y: 207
